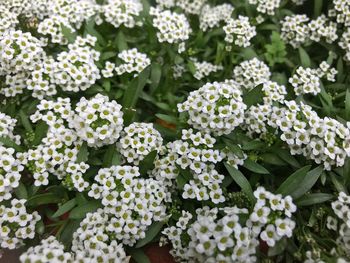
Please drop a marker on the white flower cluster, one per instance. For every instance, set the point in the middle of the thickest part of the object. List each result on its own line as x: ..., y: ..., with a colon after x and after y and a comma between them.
x: 271, y: 216
x: 325, y: 70
x: 132, y: 203
x: 8, y: 19
x: 134, y: 61
x: 239, y: 31
x: 273, y: 92
x: 191, y: 6
x: 194, y: 153
x: 203, y: 69
x: 344, y: 43
x: 266, y: 6
x: 122, y: 12
x: 341, y: 11
x: 305, y: 81
x: 251, y: 73
x: 49, y: 250
x: 295, y: 30
x: 172, y: 27
x: 138, y: 140
x: 75, y: 69
x: 7, y: 126
x: 18, y: 52
x: 10, y: 168
x: 94, y: 242
x: 211, y: 17
x: 215, y: 107
x: 324, y: 140
x: 213, y: 236
x: 58, y: 151
x: 16, y: 224
x: 97, y: 120
x: 322, y: 28
x: 341, y: 208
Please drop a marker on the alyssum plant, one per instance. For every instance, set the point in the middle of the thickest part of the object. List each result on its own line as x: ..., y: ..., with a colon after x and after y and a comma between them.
x: 219, y: 128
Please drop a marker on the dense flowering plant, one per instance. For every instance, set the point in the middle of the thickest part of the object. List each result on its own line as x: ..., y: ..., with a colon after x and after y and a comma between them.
x: 218, y: 129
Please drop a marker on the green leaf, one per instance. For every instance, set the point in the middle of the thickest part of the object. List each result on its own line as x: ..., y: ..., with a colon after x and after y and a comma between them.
x: 66, y: 234
x: 82, y: 210
x: 25, y: 121
x: 156, y: 74
x: 106, y: 85
x: 254, y: 96
x: 133, y: 92
x: 304, y: 58
x: 317, y: 8
x: 121, y: 42
x: 272, y: 158
x: 191, y: 67
x: 6, y: 141
x: 167, y: 118
x: 312, y: 199
x: 83, y: 153
x: 40, y: 132
x: 293, y: 181
x: 255, y: 167
x: 67, y: 33
x: 65, y: 208
x: 286, y: 156
x: 148, y: 162
x: 347, y: 105
x: 337, y: 183
x: 43, y: 199
x: 90, y: 29
x: 21, y: 191
x: 241, y: 180
x: 138, y: 255
x: 111, y: 157
x: 308, y: 182
x: 253, y: 145
x: 151, y: 233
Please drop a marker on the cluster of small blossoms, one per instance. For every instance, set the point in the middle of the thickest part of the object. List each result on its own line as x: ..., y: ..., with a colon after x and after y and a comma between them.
x: 215, y: 107
x: 134, y: 61
x: 305, y: 81
x: 271, y: 216
x: 191, y: 6
x: 131, y: 203
x: 266, y: 6
x: 295, y: 30
x: 15, y: 84
x: 16, y: 224
x: 49, y: 250
x: 211, y: 17
x: 194, y: 153
x: 215, y: 235
x: 75, y: 70
x: 10, y: 168
x: 7, y: 126
x: 341, y: 208
x: 239, y: 31
x: 58, y: 151
x: 341, y: 11
x: 97, y: 120
x: 52, y: 26
x: 8, y: 19
x: 251, y: 73
x: 203, y: 69
x: 273, y: 92
x: 138, y: 140
x: 19, y: 52
x: 325, y: 70
x: 322, y: 28
x: 172, y: 27
x: 122, y: 12
x: 344, y: 43
x: 93, y: 241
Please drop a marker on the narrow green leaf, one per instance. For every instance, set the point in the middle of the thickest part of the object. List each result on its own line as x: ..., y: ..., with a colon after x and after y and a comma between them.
x: 21, y: 191
x: 148, y: 162
x: 111, y: 157
x: 43, y: 199
x: 83, y: 153
x: 304, y: 58
x: 312, y: 199
x: 25, y: 121
x: 337, y: 183
x: 90, y: 29
x: 66, y: 234
x: 65, y: 208
x: 156, y: 74
x: 286, y: 156
x: 121, y: 42
x: 151, y: 233
x: 347, y: 105
x: 82, y: 210
x: 242, y: 181
x: 253, y: 145
x: 133, y: 92
x: 138, y: 255
x: 308, y: 182
x: 317, y: 8
x: 272, y: 158
x: 293, y: 181
x: 40, y: 132
x: 255, y: 167
x: 254, y: 96
x: 67, y: 33
x: 191, y: 67
x: 10, y: 143
x: 167, y: 118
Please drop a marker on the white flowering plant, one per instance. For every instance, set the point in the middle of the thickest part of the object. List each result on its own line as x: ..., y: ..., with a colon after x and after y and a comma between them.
x: 216, y: 129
